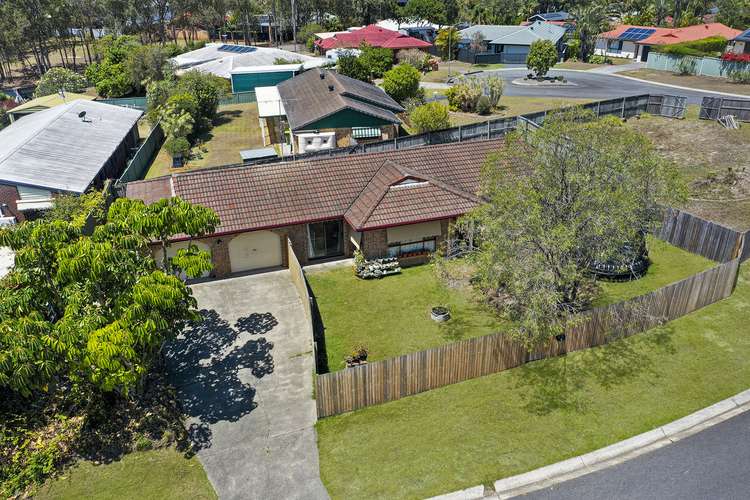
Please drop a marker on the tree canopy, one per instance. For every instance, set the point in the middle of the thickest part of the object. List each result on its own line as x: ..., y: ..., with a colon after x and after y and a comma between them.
x: 94, y: 310
x: 576, y: 192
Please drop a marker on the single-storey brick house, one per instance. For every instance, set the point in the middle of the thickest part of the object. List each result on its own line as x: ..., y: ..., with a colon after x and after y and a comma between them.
x: 396, y: 203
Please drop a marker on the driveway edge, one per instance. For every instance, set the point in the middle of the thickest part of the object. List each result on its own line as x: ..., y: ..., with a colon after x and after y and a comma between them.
x: 610, y: 455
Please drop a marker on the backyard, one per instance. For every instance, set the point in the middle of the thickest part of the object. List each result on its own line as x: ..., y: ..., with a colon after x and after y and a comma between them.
x: 484, y: 429
x: 713, y: 160
x: 391, y: 316
x: 235, y: 128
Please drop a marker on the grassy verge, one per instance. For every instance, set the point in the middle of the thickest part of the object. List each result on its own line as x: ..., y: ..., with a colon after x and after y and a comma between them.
x: 159, y: 474
x: 235, y: 128
x: 516, y: 105
x: 668, y: 265
x: 690, y: 81
x: 391, y: 316
x: 482, y: 430
x: 616, y: 61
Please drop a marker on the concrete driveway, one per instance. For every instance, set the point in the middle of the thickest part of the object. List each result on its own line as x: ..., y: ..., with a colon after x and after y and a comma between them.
x: 244, y: 377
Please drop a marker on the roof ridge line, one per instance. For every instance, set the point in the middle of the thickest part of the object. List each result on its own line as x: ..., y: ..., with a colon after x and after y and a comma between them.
x: 374, y: 205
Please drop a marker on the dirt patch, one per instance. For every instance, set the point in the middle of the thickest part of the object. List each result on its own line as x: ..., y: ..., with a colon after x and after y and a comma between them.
x: 713, y: 160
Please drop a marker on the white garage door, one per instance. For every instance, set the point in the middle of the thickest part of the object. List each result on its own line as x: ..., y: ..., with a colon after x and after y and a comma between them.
x: 255, y: 250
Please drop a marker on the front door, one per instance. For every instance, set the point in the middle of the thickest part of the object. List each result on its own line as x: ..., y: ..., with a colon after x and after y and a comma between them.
x: 644, y: 53
x: 326, y: 239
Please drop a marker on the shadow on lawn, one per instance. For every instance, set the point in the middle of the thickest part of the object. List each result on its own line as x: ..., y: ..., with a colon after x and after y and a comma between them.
x: 209, y: 364
x: 563, y: 384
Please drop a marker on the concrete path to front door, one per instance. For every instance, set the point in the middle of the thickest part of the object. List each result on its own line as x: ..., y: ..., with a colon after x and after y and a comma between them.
x: 244, y: 377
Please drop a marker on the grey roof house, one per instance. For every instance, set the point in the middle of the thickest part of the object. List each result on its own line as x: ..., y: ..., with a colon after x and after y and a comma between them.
x: 325, y: 109
x: 508, y: 44
x: 64, y: 149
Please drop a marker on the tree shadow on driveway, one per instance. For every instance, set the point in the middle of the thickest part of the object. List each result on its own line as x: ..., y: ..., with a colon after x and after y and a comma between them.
x: 210, y: 365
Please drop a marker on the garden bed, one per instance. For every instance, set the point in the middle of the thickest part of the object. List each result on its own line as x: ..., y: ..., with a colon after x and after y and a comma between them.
x: 496, y: 426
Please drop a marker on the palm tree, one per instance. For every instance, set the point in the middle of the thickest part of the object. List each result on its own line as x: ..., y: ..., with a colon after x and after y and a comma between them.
x: 591, y: 20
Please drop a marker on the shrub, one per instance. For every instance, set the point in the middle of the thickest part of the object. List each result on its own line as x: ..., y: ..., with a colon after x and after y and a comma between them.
x: 447, y: 39
x: 415, y: 57
x: 732, y: 57
x: 349, y: 64
x: 60, y: 78
x: 182, y: 102
x: 143, y: 444
x: 542, y: 56
x: 177, y: 146
x: 574, y: 49
x: 711, y: 46
x: 402, y: 82
x: 430, y: 116
x: 597, y: 59
x: 110, y: 79
x: 739, y: 76
x: 306, y: 34
x: 492, y: 87
x: 464, y: 95
x: 375, y: 60
x: 686, y: 66
x: 208, y: 90
x: 483, y: 105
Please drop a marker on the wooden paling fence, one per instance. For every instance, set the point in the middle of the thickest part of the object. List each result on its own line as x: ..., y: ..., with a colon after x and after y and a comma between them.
x: 395, y: 378
x: 700, y: 236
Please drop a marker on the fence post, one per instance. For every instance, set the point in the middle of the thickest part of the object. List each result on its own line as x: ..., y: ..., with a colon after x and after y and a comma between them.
x: 488, y: 129
x: 459, y: 133
x: 598, y: 108
x: 622, y: 112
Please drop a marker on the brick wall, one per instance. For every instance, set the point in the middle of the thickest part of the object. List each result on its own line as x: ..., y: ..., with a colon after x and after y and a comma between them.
x: 374, y: 244
x: 9, y: 196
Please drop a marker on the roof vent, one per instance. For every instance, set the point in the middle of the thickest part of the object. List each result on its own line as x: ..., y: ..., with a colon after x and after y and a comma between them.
x: 322, y: 74
x: 330, y: 87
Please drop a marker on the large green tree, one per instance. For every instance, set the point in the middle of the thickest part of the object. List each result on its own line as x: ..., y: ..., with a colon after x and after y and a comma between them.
x: 94, y: 311
x: 576, y: 192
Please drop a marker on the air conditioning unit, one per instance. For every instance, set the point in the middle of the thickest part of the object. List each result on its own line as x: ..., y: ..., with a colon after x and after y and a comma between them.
x: 309, y: 142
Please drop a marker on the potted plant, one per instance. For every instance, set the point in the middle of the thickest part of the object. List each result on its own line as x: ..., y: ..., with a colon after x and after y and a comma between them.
x: 178, y: 147
x: 358, y: 357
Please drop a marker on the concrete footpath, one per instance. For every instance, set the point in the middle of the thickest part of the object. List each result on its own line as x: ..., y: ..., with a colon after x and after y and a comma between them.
x: 244, y: 378
x: 547, y: 477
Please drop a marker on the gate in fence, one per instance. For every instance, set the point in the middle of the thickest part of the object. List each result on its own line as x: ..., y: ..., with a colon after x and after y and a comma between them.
x: 670, y: 106
x: 713, y: 108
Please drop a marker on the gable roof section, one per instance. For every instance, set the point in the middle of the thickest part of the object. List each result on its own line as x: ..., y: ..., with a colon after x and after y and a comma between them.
x: 282, y: 194
x: 397, y: 195
x: 55, y: 149
x: 743, y: 37
x: 489, y: 31
x: 552, y: 16
x: 529, y: 34
x: 307, y: 98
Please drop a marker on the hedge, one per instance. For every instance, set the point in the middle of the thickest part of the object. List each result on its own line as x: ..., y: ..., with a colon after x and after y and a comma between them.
x: 712, y: 46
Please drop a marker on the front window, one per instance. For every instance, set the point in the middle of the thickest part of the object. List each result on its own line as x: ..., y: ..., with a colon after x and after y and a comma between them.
x: 326, y: 239
x: 412, y: 248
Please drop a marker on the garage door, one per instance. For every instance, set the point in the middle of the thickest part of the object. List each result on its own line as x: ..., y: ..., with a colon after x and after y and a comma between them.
x: 255, y: 250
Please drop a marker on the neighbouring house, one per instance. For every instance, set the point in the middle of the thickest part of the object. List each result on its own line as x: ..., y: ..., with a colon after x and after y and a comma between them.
x: 372, y: 35
x: 65, y: 149
x: 417, y: 28
x: 740, y: 44
x: 248, y: 78
x: 222, y: 59
x: 324, y: 110
x: 332, y: 56
x: 551, y: 17
x: 397, y: 203
x: 508, y: 44
x: 45, y: 102
x: 635, y: 42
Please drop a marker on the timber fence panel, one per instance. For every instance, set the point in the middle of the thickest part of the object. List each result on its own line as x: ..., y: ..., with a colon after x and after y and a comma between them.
x: 745, y: 247
x: 713, y: 108
x: 697, y: 235
x: 396, y: 378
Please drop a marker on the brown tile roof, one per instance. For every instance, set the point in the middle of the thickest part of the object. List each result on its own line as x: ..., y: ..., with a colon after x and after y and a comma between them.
x: 397, y: 195
x: 307, y: 98
x: 282, y: 194
x: 150, y: 190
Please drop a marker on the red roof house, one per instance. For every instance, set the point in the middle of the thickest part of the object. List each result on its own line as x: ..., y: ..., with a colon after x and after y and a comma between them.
x: 372, y: 35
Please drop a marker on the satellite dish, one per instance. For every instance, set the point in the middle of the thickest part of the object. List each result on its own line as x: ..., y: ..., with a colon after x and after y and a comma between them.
x: 82, y: 115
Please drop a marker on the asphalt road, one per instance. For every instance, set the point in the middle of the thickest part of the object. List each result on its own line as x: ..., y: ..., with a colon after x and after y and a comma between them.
x: 713, y: 464
x: 590, y: 85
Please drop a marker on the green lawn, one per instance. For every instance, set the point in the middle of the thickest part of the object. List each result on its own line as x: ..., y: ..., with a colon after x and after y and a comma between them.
x: 157, y: 474
x: 668, y: 265
x: 485, y: 429
x: 391, y: 316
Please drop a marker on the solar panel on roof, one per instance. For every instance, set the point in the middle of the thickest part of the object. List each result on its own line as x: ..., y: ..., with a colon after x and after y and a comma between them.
x: 636, y: 34
x: 237, y: 49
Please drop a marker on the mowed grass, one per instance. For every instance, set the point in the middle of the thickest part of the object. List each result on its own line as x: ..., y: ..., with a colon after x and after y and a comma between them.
x: 668, y: 265
x: 391, y: 316
x: 516, y: 105
x: 236, y: 127
x: 162, y: 474
x: 485, y: 429
x: 690, y: 81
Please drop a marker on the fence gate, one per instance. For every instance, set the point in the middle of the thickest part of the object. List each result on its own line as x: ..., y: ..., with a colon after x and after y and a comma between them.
x: 713, y: 108
x: 670, y: 106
